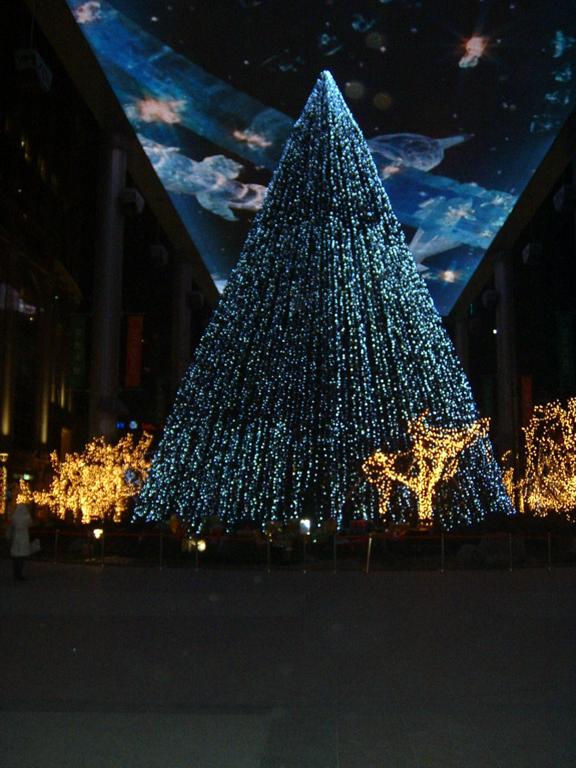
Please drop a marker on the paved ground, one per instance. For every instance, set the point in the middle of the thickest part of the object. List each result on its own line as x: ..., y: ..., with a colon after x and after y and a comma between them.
x: 140, y: 668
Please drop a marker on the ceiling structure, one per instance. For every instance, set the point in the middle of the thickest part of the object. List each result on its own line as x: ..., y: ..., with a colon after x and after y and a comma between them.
x: 462, y: 102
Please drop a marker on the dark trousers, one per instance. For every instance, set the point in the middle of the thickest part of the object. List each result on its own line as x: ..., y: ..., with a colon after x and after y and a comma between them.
x: 18, y: 567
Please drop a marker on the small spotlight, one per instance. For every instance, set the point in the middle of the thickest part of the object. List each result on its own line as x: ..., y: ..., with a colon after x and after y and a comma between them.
x: 494, y: 331
x: 200, y: 545
x: 98, y: 533
x: 305, y: 525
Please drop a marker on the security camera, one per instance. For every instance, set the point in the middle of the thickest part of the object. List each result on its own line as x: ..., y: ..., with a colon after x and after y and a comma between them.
x: 131, y: 201
x: 565, y: 199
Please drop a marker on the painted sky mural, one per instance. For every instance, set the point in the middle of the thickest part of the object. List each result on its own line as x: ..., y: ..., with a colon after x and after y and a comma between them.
x: 459, y: 101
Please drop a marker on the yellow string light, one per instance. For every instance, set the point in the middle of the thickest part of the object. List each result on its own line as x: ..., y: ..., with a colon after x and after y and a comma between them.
x: 24, y: 493
x: 549, y: 481
x: 97, y: 483
x: 508, y: 478
x: 3, y: 483
x: 433, y: 457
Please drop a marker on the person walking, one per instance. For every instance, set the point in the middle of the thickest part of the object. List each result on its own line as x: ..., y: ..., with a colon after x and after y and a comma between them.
x: 19, y: 535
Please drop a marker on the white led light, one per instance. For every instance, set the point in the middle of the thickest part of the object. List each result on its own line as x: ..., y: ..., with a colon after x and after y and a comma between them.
x: 324, y: 348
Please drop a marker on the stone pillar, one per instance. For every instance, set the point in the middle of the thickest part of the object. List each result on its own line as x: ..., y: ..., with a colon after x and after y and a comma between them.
x: 507, y: 426
x: 181, y: 320
x: 6, y: 365
x: 107, y: 303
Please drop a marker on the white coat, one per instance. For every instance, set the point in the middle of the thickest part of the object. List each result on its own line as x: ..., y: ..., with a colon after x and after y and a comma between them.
x: 19, y: 527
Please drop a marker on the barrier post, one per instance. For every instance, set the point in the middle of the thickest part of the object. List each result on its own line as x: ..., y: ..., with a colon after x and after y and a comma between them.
x: 510, y: 552
x: 56, y: 537
x: 102, y: 539
x: 304, y: 538
x: 368, y: 553
x: 268, y: 552
x: 442, y: 552
x: 161, y: 553
x: 549, y: 548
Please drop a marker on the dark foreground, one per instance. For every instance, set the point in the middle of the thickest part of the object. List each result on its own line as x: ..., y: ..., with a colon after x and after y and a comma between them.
x: 136, y: 667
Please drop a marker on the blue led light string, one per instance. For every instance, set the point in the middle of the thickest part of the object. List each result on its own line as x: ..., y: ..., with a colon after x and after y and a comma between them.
x: 324, y: 346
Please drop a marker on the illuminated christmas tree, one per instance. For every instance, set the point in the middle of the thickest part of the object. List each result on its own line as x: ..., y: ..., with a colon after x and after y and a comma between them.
x: 323, y: 349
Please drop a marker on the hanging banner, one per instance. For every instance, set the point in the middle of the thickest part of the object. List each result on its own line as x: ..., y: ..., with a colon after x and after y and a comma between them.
x: 134, y: 331
x: 526, y: 405
x: 77, y: 340
x: 566, y: 350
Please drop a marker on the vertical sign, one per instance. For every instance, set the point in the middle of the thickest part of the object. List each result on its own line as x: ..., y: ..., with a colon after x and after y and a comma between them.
x: 565, y: 350
x: 134, y: 330
x: 525, y: 398
x: 78, y: 324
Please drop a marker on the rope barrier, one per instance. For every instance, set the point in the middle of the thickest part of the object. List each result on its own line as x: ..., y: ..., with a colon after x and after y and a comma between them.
x: 334, y: 544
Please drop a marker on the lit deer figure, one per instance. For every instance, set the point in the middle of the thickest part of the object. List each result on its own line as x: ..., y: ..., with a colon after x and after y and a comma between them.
x: 433, y: 457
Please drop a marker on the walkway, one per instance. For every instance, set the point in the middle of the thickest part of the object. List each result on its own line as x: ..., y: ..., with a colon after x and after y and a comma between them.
x: 141, y: 668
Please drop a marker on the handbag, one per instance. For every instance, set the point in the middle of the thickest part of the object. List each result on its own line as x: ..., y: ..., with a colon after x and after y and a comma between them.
x: 35, y: 546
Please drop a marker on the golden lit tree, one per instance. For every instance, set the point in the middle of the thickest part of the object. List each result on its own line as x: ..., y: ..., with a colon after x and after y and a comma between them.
x: 97, y: 483
x: 511, y: 480
x: 433, y: 457
x: 24, y: 494
x: 549, y: 482
x: 3, y: 482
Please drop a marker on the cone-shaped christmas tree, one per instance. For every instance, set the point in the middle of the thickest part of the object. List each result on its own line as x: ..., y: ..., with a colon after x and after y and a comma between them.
x: 324, y: 348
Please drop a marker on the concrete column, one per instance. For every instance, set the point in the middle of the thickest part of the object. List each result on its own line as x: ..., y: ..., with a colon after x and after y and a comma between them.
x: 6, y: 369
x: 107, y: 306
x: 507, y: 426
x: 181, y: 320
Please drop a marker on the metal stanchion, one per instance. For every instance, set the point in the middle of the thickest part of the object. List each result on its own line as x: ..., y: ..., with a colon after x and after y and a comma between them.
x: 510, y: 552
x: 368, y: 553
x: 102, y: 539
x: 442, y: 552
x: 304, y: 554
x: 268, y: 553
x: 196, y: 558
x: 56, y: 537
x: 549, y: 547
x: 161, y: 546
